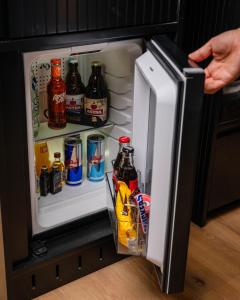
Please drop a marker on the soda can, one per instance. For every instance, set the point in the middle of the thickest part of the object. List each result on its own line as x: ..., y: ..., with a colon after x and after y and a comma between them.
x: 95, y: 157
x: 73, y: 160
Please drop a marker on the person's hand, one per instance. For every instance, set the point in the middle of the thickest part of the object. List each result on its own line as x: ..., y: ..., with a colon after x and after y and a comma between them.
x: 225, y: 65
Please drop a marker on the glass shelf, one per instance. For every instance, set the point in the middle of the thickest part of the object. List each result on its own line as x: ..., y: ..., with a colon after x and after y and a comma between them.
x: 46, y: 133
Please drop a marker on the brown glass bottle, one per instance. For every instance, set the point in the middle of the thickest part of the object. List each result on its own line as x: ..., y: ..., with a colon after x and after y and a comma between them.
x: 75, y: 94
x: 127, y: 171
x: 56, y: 97
x: 123, y: 141
x: 96, y: 98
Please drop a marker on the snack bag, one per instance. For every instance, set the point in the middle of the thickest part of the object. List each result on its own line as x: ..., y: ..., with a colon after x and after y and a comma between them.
x: 143, y: 203
x: 127, y: 235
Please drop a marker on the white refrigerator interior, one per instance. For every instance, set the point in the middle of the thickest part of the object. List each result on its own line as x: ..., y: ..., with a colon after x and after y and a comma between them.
x: 118, y: 59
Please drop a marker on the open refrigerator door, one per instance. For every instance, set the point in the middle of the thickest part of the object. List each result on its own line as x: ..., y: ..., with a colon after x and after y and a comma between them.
x: 167, y: 111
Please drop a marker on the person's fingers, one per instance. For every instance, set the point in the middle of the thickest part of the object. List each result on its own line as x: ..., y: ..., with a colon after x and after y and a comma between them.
x: 202, y: 53
x: 212, y: 86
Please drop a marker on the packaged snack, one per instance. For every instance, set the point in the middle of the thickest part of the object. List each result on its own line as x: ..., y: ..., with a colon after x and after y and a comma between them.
x: 143, y: 203
x: 127, y: 234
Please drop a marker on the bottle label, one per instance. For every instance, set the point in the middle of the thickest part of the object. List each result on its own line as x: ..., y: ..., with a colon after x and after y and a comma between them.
x: 96, y: 108
x: 133, y: 184
x: 59, y: 98
x: 74, y: 103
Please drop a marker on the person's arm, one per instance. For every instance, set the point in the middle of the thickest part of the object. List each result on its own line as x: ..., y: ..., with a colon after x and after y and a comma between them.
x: 225, y: 65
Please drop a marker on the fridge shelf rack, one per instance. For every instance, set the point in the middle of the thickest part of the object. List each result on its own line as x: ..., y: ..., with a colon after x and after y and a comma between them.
x: 45, y: 133
x: 129, y: 237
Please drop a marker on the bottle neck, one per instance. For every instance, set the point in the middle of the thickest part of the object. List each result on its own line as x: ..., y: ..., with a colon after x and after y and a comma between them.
x: 57, y: 159
x: 121, y: 145
x: 128, y: 160
x: 56, y: 72
x: 73, y: 68
x: 96, y: 71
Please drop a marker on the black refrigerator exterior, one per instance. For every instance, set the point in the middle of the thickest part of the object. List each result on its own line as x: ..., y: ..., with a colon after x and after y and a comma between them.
x: 37, y: 264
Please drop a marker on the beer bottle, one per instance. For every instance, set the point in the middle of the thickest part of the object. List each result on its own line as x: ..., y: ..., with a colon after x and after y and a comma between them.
x: 96, y: 98
x: 56, y: 97
x: 127, y: 171
x: 74, y: 94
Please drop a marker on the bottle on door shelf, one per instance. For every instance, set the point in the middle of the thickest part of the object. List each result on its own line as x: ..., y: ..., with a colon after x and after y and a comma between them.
x: 55, y: 180
x: 96, y: 98
x: 127, y: 172
x: 56, y: 97
x: 60, y: 165
x: 44, y: 181
x: 123, y: 141
x: 74, y: 94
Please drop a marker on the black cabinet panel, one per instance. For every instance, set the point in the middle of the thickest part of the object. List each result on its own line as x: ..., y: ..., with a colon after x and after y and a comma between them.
x: 14, y: 191
x: 230, y: 108
x: 33, y: 281
x: 42, y: 17
x: 3, y: 19
x: 225, y: 181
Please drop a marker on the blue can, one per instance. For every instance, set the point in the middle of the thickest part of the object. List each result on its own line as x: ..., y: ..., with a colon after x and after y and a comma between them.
x: 95, y: 157
x: 73, y: 160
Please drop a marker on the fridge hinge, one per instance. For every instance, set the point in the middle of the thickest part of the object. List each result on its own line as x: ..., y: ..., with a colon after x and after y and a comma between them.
x: 39, y: 248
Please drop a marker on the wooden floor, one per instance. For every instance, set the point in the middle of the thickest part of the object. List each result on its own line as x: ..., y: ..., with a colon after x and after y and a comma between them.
x: 213, y: 270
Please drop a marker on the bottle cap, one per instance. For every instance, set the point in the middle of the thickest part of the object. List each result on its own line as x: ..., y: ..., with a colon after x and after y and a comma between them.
x: 57, y: 155
x: 128, y: 149
x: 96, y: 64
x: 73, y: 61
x: 124, y: 139
x: 56, y: 61
x: 44, y: 168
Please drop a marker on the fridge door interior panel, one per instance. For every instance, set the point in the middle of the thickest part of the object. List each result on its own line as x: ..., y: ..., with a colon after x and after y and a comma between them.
x: 166, y: 122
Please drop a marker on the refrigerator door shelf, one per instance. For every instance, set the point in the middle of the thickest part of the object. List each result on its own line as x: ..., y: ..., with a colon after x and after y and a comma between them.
x: 129, y: 237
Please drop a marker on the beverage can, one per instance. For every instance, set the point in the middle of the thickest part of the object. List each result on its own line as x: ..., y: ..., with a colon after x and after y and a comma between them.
x: 73, y: 160
x: 95, y: 157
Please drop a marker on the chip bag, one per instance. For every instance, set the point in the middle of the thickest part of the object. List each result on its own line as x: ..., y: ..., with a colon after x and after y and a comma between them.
x: 127, y: 234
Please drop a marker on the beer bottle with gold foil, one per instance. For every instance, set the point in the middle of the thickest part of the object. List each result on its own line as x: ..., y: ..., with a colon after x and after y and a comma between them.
x: 56, y: 97
x: 96, y: 98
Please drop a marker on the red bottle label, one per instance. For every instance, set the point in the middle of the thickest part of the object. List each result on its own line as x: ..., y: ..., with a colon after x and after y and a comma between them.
x: 133, y: 184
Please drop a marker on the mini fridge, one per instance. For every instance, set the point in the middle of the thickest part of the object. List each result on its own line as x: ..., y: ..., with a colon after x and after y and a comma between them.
x: 156, y: 98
